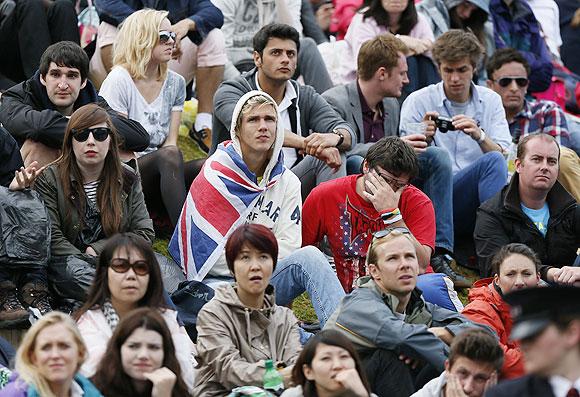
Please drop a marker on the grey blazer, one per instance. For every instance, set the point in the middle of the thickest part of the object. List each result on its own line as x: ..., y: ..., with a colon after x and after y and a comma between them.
x: 345, y: 100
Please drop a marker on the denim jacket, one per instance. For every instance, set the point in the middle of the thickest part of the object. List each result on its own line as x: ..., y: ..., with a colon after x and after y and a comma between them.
x: 205, y: 15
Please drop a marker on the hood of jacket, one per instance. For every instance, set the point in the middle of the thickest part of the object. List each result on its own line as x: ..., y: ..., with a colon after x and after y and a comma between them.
x: 483, y: 4
x: 276, y: 155
x: 227, y: 294
x: 37, y: 90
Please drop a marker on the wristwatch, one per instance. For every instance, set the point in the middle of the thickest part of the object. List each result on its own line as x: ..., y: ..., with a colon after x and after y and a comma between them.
x: 341, y: 136
x: 481, y: 137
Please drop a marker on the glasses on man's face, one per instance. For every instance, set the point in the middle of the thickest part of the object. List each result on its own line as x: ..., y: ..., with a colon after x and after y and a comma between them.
x: 395, y: 184
x: 122, y: 265
x: 99, y: 134
x: 166, y: 35
x: 507, y: 81
x: 385, y: 232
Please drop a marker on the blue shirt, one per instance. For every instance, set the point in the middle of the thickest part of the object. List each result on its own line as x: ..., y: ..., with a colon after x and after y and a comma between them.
x: 539, y: 217
x: 484, y: 106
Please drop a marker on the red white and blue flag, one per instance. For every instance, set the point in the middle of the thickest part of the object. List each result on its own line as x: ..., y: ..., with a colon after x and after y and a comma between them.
x: 219, y: 200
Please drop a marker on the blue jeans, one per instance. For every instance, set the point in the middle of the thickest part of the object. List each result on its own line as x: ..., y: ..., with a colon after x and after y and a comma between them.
x: 473, y: 185
x: 435, y: 179
x: 307, y: 269
x: 353, y: 164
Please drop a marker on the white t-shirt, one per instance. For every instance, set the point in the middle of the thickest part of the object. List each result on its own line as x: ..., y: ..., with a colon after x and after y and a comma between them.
x: 122, y: 95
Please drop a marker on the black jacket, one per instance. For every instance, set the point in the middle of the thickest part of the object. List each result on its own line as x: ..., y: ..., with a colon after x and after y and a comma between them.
x: 10, y: 159
x: 27, y: 113
x: 500, y: 221
x: 526, y: 386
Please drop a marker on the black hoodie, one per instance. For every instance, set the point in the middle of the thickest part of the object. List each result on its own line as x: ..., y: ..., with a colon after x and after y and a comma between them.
x: 27, y: 113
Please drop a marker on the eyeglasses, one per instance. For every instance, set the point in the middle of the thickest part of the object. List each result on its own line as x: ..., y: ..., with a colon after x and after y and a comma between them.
x: 121, y: 265
x: 395, y: 184
x: 385, y: 232
x: 166, y: 35
x: 507, y: 81
x: 99, y: 134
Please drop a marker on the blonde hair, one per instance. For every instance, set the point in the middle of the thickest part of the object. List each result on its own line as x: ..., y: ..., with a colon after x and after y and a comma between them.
x: 137, y: 38
x: 372, y: 255
x: 252, y: 103
x: 27, y: 371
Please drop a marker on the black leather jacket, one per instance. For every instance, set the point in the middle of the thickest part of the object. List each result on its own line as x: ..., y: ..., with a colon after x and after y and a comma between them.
x: 500, y: 221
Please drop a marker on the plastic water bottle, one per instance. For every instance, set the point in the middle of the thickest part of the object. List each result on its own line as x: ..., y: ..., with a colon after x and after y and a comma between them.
x: 273, y: 381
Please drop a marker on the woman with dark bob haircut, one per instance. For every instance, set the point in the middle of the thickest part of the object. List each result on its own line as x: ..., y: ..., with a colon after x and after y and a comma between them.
x: 140, y: 359
x: 515, y: 266
x: 127, y: 278
x: 328, y: 366
x: 242, y: 327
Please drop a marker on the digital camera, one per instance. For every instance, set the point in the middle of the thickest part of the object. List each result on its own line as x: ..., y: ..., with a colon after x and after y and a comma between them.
x: 444, y: 124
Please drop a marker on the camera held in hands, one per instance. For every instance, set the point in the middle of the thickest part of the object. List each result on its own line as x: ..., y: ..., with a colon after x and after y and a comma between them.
x: 444, y: 124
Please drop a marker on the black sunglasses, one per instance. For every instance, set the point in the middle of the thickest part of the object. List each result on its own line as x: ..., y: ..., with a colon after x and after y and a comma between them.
x: 121, y: 265
x: 99, y: 133
x: 389, y: 230
x: 165, y: 35
x: 506, y: 81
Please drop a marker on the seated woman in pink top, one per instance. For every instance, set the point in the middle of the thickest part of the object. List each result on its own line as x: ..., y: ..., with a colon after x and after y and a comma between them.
x: 398, y: 17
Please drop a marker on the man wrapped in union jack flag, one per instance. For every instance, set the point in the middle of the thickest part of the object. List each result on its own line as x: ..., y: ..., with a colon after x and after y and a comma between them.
x: 245, y: 180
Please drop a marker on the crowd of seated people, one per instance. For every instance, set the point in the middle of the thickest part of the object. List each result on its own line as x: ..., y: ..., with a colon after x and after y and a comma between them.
x: 367, y: 197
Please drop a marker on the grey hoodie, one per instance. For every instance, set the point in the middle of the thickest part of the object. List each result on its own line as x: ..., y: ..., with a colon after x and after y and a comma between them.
x: 234, y: 341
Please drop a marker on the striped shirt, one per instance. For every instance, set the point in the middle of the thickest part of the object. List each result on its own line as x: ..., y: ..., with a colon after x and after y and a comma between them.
x: 91, y: 191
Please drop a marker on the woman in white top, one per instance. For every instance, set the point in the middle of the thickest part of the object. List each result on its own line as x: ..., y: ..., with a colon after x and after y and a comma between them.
x: 127, y: 278
x: 141, y: 87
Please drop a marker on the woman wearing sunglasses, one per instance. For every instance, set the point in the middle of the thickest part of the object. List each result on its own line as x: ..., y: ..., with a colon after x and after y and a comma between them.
x: 90, y: 196
x: 141, y: 87
x: 127, y: 278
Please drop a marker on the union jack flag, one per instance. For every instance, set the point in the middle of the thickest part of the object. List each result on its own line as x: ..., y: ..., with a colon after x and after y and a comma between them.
x: 219, y: 200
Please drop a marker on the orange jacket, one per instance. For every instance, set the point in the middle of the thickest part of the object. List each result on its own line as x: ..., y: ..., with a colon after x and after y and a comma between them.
x: 486, y: 306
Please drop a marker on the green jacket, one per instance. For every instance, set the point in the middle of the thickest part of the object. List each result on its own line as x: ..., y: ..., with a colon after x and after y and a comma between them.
x: 65, y: 228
